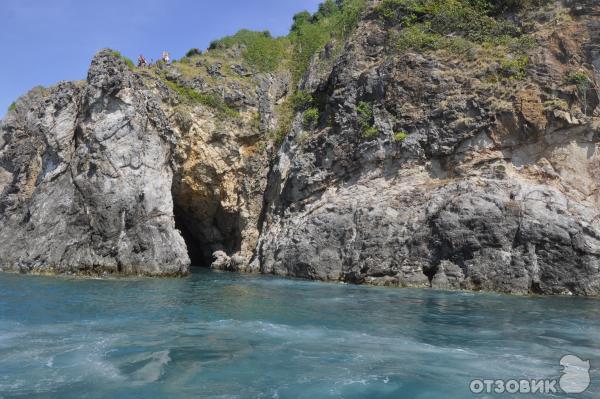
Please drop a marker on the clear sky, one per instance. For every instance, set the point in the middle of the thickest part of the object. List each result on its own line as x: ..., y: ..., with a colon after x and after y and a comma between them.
x: 45, y: 41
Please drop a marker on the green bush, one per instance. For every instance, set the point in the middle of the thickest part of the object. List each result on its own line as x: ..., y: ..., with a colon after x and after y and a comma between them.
x: 301, y: 100
x: 514, y: 68
x: 300, y: 19
x: 583, y: 82
x: 285, y: 112
x: 457, y: 26
x: 266, y: 53
x: 307, y: 40
x: 364, y: 113
x: 370, y: 133
x: 580, y: 79
x: 310, y: 118
x: 326, y: 9
x: 243, y: 37
x: 334, y: 20
x: 12, y: 107
x: 193, y: 52
x: 261, y: 50
x: 127, y: 61
x: 401, y: 135
x: 365, y: 120
x: 418, y: 39
x: 208, y: 99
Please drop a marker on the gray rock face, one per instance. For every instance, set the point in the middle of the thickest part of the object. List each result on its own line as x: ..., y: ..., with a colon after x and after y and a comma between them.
x: 481, y: 194
x: 420, y: 172
x: 86, y: 180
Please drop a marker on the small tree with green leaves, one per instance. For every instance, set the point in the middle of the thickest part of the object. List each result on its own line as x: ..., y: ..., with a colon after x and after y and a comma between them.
x: 583, y: 82
x: 12, y: 107
x: 193, y: 52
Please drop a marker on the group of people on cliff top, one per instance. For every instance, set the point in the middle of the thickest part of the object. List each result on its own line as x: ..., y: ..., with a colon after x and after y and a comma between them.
x: 165, y: 58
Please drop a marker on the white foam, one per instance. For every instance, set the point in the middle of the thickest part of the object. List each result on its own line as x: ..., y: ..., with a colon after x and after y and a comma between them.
x: 152, y: 371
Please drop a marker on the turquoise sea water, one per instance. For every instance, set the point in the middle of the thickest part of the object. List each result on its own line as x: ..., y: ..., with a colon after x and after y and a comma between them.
x: 235, y: 336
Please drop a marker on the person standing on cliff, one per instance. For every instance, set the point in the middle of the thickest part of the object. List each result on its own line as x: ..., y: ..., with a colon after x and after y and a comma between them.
x: 166, y: 57
x: 142, y: 61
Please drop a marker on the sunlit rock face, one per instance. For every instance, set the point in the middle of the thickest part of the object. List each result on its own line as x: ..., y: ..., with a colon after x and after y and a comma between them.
x: 469, y: 184
x: 464, y: 180
x: 87, y: 179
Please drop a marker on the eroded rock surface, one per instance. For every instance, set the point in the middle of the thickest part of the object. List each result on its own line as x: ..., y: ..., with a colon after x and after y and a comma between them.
x: 493, y: 188
x: 87, y: 179
x: 463, y: 182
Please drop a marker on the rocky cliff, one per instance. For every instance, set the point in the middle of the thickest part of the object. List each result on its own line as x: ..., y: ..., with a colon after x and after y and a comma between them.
x: 448, y: 161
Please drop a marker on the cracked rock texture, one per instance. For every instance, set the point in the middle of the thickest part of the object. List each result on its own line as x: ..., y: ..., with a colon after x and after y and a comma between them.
x: 492, y: 185
x: 494, y: 188
x: 86, y: 179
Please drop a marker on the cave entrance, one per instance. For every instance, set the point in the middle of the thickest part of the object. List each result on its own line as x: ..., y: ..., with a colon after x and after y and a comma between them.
x: 198, y: 257
x: 205, y: 235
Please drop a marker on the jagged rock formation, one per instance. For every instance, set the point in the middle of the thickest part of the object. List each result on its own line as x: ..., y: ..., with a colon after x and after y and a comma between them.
x: 495, y: 188
x: 468, y: 183
x: 86, y: 179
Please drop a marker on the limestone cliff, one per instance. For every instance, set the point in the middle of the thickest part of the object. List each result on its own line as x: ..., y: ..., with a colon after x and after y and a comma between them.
x: 443, y: 166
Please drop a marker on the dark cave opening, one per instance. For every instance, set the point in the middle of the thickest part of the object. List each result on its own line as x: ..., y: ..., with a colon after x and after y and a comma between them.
x: 197, y: 249
x: 218, y: 231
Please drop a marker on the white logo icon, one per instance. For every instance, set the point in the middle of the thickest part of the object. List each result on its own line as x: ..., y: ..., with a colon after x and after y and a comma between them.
x: 575, y: 374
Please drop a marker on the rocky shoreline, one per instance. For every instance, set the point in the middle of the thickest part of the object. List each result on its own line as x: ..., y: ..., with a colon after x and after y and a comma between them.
x: 411, y: 169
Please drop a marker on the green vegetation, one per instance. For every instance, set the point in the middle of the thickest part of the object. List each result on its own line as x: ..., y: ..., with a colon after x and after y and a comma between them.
x: 310, y: 118
x: 301, y: 100
x: 461, y: 27
x: 401, y: 135
x: 335, y: 20
x: 580, y: 79
x: 127, y: 61
x: 285, y: 110
x: 193, y: 52
x: 12, y: 107
x: 583, y: 82
x: 364, y: 112
x: 370, y: 133
x: 262, y: 51
x: 365, y: 120
x: 208, y: 99
x: 514, y: 67
x: 266, y: 53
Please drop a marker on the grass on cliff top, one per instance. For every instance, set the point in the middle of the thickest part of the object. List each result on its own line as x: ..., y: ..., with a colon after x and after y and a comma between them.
x: 335, y: 20
x: 261, y: 50
x: 308, y: 34
x: 12, y: 106
x: 127, y: 61
x: 311, y: 32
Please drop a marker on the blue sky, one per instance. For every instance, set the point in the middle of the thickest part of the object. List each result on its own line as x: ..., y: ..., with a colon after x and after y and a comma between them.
x: 46, y: 41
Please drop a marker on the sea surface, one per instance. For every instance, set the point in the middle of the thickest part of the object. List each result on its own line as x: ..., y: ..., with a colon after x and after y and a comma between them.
x: 226, y: 335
